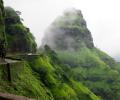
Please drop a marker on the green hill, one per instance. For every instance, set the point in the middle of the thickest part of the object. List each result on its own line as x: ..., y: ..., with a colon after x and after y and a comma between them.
x: 69, y: 37
x: 68, y: 32
x: 42, y: 76
x: 19, y: 37
x: 53, y: 74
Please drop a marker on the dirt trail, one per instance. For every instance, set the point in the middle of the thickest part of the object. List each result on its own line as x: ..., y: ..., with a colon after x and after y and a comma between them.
x: 7, y: 96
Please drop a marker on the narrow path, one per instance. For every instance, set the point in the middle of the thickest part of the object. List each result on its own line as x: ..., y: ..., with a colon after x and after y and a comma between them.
x: 7, y: 96
x: 11, y: 61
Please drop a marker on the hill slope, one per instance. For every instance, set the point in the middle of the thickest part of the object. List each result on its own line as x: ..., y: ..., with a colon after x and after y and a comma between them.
x: 53, y: 74
x: 2, y: 25
x: 41, y: 77
x: 69, y: 37
x: 19, y: 37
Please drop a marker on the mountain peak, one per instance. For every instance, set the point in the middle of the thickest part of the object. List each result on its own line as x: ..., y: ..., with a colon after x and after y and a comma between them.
x: 73, y: 11
x: 68, y: 32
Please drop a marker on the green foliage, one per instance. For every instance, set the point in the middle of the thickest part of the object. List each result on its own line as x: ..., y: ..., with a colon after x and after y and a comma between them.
x: 2, y: 25
x: 94, y: 69
x: 106, y: 58
x: 14, y: 29
x: 26, y: 84
x: 83, y: 92
x: 63, y: 75
x: 83, y: 62
x: 11, y: 16
x: 64, y: 92
x: 52, y: 73
x: 84, y: 58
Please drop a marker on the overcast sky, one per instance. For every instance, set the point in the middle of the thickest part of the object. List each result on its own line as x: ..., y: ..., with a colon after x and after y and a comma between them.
x: 102, y: 16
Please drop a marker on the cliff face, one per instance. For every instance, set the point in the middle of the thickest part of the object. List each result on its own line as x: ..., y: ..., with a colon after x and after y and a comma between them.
x: 19, y: 37
x: 2, y: 26
x: 69, y: 31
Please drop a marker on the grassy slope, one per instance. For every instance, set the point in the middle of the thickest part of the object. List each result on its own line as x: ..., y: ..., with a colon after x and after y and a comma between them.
x: 54, y: 77
x: 74, y: 45
x: 26, y: 84
x: 96, y: 70
x: 14, y: 29
x: 46, y: 80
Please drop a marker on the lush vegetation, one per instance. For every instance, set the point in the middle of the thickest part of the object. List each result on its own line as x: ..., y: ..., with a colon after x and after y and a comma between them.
x: 94, y: 69
x: 73, y: 43
x: 53, y: 74
x: 14, y: 29
x: 72, y: 70
x: 26, y: 84
x: 42, y: 77
x: 2, y: 25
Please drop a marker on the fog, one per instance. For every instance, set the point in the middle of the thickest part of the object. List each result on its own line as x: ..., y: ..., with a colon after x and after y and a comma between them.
x: 103, y: 18
x: 59, y: 36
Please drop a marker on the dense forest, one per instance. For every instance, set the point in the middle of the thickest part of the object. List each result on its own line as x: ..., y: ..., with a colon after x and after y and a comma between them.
x: 67, y: 66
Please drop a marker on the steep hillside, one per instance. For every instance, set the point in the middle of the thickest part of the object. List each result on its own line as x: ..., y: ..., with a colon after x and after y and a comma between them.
x: 26, y: 84
x: 68, y: 32
x: 53, y: 74
x: 19, y: 37
x: 44, y: 77
x: 69, y: 37
x: 41, y: 77
x: 2, y: 25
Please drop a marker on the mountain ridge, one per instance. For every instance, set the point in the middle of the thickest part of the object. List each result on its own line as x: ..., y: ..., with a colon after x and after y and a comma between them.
x: 73, y: 43
x: 42, y: 75
x: 70, y: 30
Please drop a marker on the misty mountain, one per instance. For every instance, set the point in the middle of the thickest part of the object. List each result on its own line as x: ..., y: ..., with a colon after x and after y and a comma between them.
x: 67, y: 67
x: 36, y: 76
x: 69, y: 36
x: 117, y: 58
x: 68, y: 32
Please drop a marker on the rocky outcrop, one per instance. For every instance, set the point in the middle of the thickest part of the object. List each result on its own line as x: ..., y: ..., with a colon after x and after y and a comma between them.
x: 19, y: 37
x: 69, y: 31
x: 2, y: 27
